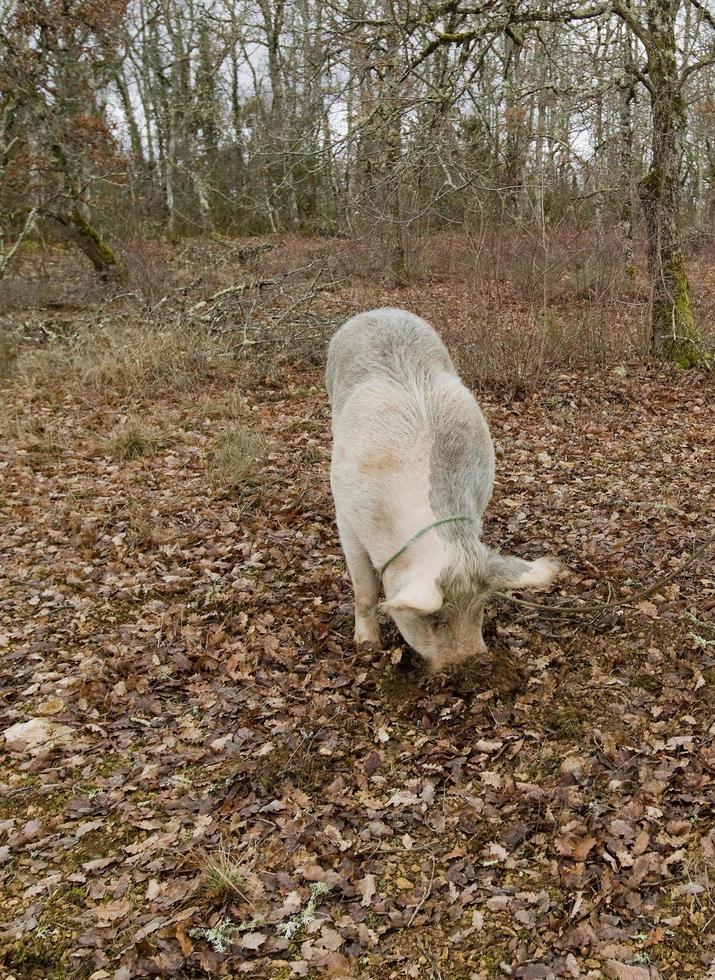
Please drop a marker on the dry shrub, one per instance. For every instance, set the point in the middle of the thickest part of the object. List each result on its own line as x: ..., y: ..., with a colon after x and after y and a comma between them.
x: 293, y: 257
x: 510, y: 355
x: 564, y: 264
x: 373, y: 256
x: 510, y: 360
x: 568, y: 261
x: 229, y: 405
x: 303, y: 340
x: 148, y: 269
x: 700, y: 271
x: 448, y: 255
x: 8, y: 353
x: 504, y: 345
x: 513, y: 306
x: 236, y: 459
x: 517, y: 353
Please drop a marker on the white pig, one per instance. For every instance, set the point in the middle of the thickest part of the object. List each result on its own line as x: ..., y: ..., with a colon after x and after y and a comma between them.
x: 412, y: 472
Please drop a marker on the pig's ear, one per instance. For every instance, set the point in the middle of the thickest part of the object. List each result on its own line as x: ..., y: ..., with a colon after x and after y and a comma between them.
x: 420, y: 596
x: 506, y: 572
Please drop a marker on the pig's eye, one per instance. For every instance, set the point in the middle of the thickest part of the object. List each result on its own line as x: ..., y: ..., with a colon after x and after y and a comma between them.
x: 435, y: 620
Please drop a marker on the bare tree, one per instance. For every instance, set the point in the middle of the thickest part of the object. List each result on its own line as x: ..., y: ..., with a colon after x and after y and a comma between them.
x: 53, y: 59
x: 665, y: 72
x: 267, y: 116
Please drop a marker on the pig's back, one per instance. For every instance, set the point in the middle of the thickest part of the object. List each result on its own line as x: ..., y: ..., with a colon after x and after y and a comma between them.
x: 401, y: 414
x: 383, y: 345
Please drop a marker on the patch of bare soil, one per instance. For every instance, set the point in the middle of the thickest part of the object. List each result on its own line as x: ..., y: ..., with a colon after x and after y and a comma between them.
x: 222, y: 786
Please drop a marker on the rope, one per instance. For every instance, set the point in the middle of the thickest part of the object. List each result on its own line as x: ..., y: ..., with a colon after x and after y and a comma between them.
x: 424, y: 530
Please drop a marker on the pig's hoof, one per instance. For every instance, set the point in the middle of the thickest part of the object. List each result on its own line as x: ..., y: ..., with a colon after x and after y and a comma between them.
x: 370, y: 644
x: 369, y: 636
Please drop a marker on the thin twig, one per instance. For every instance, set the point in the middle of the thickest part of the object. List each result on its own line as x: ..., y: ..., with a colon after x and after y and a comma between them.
x: 424, y: 898
x: 619, y: 603
x: 436, y: 974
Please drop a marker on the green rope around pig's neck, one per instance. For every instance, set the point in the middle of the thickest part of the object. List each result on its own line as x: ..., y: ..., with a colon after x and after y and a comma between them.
x: 411, y: 541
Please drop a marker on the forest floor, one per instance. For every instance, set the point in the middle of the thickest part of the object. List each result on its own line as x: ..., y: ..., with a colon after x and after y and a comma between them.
x: 216, y: 783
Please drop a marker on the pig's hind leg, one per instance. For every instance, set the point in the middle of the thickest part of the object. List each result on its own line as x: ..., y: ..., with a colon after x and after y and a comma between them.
x: 366, y: 586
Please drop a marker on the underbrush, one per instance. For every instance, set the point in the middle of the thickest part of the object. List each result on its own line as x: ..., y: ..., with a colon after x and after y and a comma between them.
x: 102, y: 364
x: 515, y: 353
x: 8, y: 354
x: 514, y: 308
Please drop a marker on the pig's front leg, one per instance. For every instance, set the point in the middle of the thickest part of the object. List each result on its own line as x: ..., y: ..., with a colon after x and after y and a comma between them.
x: 366, y: 586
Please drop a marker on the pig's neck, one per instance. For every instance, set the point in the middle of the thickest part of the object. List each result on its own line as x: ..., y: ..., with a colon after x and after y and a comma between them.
x: 412, y: 511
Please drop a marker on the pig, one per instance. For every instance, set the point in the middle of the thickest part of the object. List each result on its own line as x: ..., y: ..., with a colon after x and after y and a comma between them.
x: 412, y: 471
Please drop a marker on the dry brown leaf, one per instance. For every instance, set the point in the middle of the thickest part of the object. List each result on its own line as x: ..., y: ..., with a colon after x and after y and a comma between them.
x: 576, y: 847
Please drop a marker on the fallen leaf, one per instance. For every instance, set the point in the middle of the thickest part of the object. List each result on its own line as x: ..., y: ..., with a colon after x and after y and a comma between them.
x: 365, y: 887
x: 624, y: 971
x: 37, y: 735
x: 576, y: 847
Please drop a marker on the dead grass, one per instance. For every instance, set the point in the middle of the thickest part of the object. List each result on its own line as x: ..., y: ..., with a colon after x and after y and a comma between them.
x: 222, y: 876
x: 123, y: 360
x: 39, y: 436
x: 237, y: 457
x: 514, y: 308
x: 135, y: 439
x: 228, y: 405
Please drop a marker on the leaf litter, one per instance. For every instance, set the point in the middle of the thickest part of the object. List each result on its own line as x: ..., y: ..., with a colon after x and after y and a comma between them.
x: 179, y: 681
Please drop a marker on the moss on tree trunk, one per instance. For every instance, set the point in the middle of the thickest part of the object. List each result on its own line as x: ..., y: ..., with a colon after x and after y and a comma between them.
x: 88, y: 238
x: 90, y: 241
x: 96, y: 249
x: 674, y: 334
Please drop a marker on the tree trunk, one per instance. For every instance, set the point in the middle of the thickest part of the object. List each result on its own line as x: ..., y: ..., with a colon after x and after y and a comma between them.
x: 8, y: 251
x: 673, y: 331
x: 90, y: 241
x: 626, y: 99
x: 170, y: 177
x: 279, y: 134
x: 514, y: 125
x: 86, y: 236
x: 201, y: 187
x: 390, y: 135
x: 132, y: 126
x: 599, y: 151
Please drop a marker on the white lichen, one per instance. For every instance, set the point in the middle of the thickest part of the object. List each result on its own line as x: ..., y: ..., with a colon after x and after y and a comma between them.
x: 220, y: 937
x: 297, y: 922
